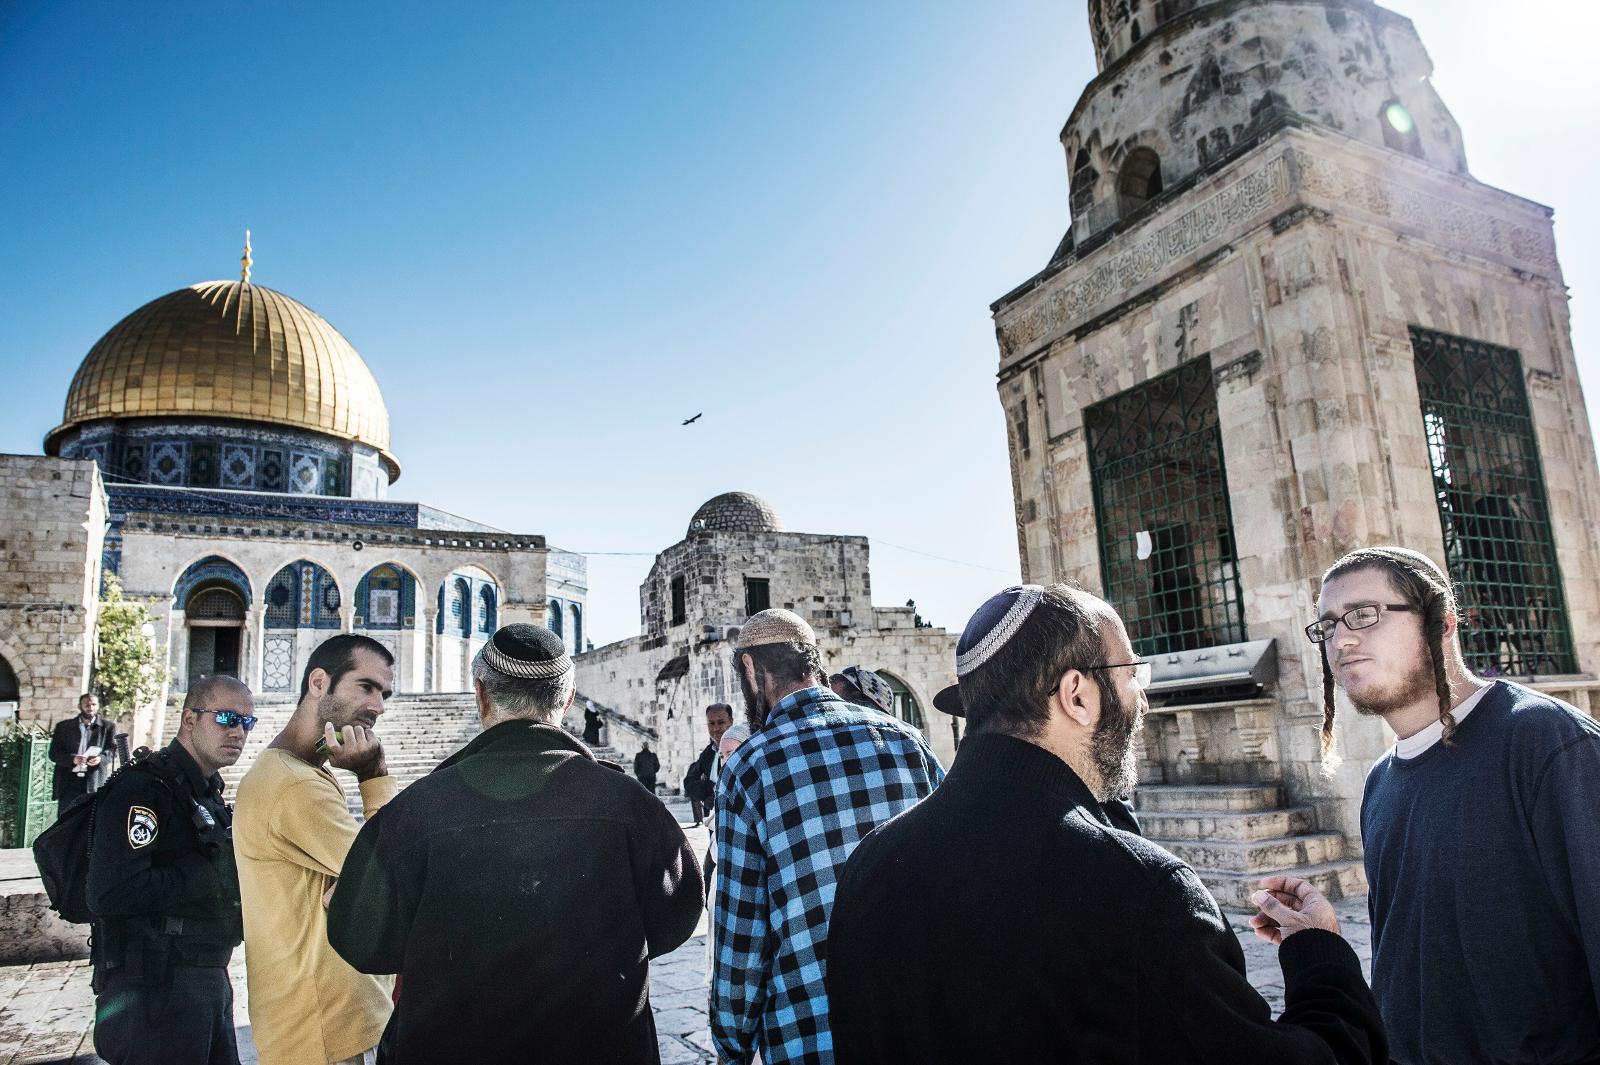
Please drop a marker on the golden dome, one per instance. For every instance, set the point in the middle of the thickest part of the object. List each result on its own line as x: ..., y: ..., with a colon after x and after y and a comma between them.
x: 230, y: 349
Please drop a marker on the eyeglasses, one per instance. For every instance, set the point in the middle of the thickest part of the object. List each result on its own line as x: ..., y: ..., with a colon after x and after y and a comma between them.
x: 1141, y: 671
x: 1361, y: 617
x: 230, y: 718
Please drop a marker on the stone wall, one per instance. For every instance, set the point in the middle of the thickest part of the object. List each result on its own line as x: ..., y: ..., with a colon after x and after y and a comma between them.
x: 1298, y: 271
x: 52, y: 527
x: 667, y: 676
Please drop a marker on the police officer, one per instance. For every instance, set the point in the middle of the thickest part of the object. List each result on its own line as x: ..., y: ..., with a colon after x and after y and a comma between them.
x: 165, y: 892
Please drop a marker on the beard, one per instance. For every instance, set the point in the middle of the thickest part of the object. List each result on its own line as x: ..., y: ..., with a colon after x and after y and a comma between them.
x: 1413, y: 688
x: 340, y: 713
x: 1111, y: 746
x: 755, y: 706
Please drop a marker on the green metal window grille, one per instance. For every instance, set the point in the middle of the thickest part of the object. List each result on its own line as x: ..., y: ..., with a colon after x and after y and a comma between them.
x: 1493, y: 511
x: 1167, y: 556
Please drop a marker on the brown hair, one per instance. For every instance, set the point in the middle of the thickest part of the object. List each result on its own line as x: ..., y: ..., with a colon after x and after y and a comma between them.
x: 1423, y: 585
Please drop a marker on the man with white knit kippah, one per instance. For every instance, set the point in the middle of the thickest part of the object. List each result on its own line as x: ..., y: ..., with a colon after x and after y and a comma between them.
x: 817, y: 774
x: 521, y: 887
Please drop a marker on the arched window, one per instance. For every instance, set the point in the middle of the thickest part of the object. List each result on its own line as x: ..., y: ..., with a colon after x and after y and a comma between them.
x: 461, y: 606
x: 302, y: 595
x: 552, y: 616
x: 385, y: 599
x: 905, y: 704
x: 1399, y: 128
x: 1139, y: 181
x: 577, y: 629
x: 486, y: 609
x: 1084, y: 177
x: 10, y: 688
x: 215, y: 603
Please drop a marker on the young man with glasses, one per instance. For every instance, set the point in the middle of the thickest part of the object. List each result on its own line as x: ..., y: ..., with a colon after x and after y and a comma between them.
x: 165, y: 892
x: 1007, y: 918
x: 1479, y: 827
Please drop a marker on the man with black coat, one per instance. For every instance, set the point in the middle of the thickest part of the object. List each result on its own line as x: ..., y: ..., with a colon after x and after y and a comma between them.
x: 1034, y: 930
x: 164, y: 891
x: 521, y: 888
x: 81, y: 748
x: 700, y: 783
x: 645, y: 767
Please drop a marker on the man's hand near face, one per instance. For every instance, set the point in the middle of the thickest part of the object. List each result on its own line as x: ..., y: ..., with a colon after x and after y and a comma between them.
x: 355, y: 748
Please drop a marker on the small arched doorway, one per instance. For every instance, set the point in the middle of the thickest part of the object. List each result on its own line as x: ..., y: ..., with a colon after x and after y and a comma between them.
x: 215, y: 615
x: 10, y: 691
x: 905, y: 703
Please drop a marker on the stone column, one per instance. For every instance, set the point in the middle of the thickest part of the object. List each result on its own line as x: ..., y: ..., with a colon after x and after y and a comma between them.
x: 417, y: 660
x: 180, y: 651
x: 430, y: 616
x: 347, y: 618
x: 256, y: 630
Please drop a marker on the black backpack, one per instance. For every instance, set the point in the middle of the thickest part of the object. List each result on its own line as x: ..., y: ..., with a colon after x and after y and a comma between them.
x: 62, y: 851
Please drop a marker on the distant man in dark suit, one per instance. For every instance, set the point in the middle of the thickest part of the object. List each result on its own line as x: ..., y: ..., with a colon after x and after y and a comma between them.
x: 700, y: 783
x: 81, y: 748
x: 645, y: 767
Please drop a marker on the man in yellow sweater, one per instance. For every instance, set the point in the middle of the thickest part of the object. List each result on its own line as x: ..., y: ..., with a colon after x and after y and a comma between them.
x: 291, y: 832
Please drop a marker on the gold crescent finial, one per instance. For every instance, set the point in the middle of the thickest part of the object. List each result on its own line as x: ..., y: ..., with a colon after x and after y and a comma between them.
x: 246, y: 261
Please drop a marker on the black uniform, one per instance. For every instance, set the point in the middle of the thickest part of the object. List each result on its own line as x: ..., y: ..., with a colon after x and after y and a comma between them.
x: 165, y: 893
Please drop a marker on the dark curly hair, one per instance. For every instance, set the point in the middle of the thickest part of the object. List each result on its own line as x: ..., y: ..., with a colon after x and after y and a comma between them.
x: 1421, y: 584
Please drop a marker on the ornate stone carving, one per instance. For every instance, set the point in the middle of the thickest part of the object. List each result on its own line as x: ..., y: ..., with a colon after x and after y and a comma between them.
x: 1452, y: 224
x: 1144, y: 255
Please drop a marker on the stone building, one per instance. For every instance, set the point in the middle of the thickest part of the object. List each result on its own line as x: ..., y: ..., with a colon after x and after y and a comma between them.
x: 245, y: 449
x: 1286, y: 322
x: 52, y: 528
x: 736, y: 559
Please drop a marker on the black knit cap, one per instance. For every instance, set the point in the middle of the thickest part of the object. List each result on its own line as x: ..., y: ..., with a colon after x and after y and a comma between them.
x: 529, y: 652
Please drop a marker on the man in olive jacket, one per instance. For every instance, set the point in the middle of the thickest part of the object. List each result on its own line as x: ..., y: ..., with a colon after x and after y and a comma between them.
x: 1007, y: 918
x: 521, y: 888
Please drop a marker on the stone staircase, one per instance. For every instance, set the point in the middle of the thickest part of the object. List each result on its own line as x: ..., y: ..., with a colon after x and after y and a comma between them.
x: 1235, y: 834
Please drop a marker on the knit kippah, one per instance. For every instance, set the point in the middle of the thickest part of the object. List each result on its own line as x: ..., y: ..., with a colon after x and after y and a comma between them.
x: 992, y: 624
x: 774, y: 626
x: 872, y: 686
x: 529, y: 652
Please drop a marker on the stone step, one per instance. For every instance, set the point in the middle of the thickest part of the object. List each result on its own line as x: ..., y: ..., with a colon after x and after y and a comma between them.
x: 1337, y: 880
x: 1226, y: 827
x: 1220, y: 798
x: 1258, y: 857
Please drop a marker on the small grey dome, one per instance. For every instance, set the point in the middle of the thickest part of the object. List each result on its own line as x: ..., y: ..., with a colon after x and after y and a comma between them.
x: 735, y: 512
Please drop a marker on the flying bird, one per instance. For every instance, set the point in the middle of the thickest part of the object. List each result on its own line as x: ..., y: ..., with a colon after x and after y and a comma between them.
x: 691, y: 421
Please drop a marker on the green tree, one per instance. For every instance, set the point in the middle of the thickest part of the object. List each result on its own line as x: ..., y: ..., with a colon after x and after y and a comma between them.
x: 128, y: 668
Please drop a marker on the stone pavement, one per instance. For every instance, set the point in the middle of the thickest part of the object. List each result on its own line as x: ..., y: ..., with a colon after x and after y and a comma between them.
x: 47, y: 1010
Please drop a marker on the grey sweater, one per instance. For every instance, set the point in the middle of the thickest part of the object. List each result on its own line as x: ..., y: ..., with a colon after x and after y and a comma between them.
x: 1483, y: 865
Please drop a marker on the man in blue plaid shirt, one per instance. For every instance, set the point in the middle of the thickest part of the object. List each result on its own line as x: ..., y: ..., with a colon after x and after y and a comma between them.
x: 816, y: 775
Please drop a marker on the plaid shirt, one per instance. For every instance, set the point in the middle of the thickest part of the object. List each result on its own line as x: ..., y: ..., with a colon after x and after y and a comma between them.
x: 792, y: 803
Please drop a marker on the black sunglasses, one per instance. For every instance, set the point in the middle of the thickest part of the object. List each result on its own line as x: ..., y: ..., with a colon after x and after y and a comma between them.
x: 230, y: 718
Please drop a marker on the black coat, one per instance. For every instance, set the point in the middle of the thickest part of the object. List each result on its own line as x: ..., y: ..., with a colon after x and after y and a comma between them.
x: 64, y: 747
x: 520, y: 890
x: 1005, y: 919
x: 645, y: 767
x: 698, y: 783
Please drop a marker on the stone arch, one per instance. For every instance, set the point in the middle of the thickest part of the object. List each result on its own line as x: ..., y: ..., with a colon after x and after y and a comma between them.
x: 575, y: 615
x: 21, y: 675
x: 555, y: 617
x: 907, y: 707
x: 303, y: 595
x: 1139, y: 180
x: 386, y: 597
x: 211, y: 570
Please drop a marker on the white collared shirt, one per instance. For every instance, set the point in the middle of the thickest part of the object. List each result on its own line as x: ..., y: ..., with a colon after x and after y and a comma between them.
x: 1416, y: 743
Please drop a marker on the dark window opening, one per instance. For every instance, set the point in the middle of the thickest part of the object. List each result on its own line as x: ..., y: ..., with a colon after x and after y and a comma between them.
x: 680, y: 601
x: 1084, y: 177
x: 1140, y: 180
x: 1493, y: 511
x: 1399, y: 128
x: 757, y: 595
x: 1161, y: 510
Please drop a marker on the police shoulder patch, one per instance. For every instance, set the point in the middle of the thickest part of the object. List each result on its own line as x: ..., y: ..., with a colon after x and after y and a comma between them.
x: 142, y: 826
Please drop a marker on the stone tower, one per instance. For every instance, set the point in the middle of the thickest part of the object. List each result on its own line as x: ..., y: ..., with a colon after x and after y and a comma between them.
x: 1286, y: 322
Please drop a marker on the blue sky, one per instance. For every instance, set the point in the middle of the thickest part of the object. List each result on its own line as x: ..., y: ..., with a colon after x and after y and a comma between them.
x: 556, y: 231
